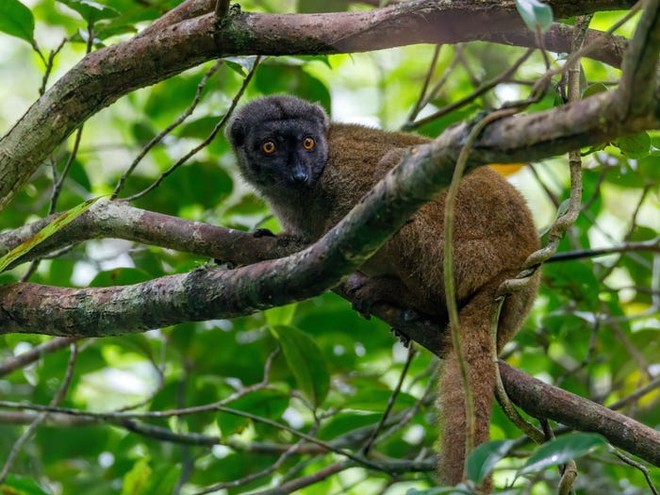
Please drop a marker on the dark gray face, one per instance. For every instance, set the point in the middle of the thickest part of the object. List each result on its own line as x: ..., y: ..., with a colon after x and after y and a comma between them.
x: 280, y: 143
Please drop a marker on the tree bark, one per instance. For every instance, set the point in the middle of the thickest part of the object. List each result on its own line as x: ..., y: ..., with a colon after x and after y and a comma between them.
x: 545, y: 401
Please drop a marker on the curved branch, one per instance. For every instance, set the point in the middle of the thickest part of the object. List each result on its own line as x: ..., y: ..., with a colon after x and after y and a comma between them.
x: 545, y: 401
x: 36, y: 353
x: 119, y: 220
x: 179, y: 42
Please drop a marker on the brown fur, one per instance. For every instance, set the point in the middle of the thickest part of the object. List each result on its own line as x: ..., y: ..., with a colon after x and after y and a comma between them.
x: 493, y: 235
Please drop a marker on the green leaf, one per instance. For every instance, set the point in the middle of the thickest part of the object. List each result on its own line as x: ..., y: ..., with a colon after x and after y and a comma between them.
x: 593, y: 89
x: 482, y: 460
x: 281, y: 315
x: 119, y: 276
x: 16, y: 20
x: 91, y: 11
x: 637, y: 146
x: 78, y: 174
x: 535, y: 14
x: 561, y: 450
x: 648, y: 168
x: 345, y: 421
x: 269, y: 404
x: 137, y: 478
x: 20, y: 485
x: 53, y: 227
x: 575, y: 281
x: 163, y: 480
x: 305, y: 361
x: 241, y: 65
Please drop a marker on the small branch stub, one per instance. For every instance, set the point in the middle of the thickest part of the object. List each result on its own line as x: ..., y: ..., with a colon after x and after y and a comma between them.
x: 221, y: 9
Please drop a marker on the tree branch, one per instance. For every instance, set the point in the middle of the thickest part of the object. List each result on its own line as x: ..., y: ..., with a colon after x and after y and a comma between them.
x: 221, y: 8
x: 639, y: 88
x: 116, y: 219
x: 36, y: 353
x: 545, y: 401
x: 119, y: 220
x: 652, y: 245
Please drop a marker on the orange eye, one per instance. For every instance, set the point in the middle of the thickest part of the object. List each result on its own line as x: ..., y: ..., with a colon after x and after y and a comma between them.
x: 268, y: 147
x: 309, y: 143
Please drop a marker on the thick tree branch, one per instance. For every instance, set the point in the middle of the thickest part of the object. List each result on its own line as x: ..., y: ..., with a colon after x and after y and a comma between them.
x: 180, y: 41
x: 119, y: 220
x: 116, y: 219
x: 545, y: 401
x: 640, y: 83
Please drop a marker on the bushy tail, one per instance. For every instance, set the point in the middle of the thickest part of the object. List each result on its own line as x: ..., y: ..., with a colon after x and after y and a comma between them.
x: 475, y: 321
x: 477, y: 350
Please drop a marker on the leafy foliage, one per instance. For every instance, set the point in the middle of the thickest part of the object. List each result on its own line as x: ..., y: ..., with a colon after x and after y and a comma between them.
x: 537, y: 15
x: 229, y: 406
x: 16, y: 20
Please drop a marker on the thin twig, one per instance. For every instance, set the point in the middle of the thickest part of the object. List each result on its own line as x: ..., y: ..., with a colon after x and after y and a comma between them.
x: 633, y: 223
x: 161, y: 135
x: 223, y: 485
x: 458, y: 54
x: 206, y: 141
x: 421, y: 101
x: 448, y: 266
x: 221, y: 8
x: 34, y: 354
x: 427, y: 396
x: 315, y: 477
x: 652, y: 245
x: 640, y: 467
x: 41, y: 417
x: 586, y: 204
x: 637, y: 394
x: 390, y: 402
x: 49, y: 66
x: 59, y: 183
x: 487, y: 86
x: 35, y: 47
x: 548, y: 191
x: 476, y: 82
